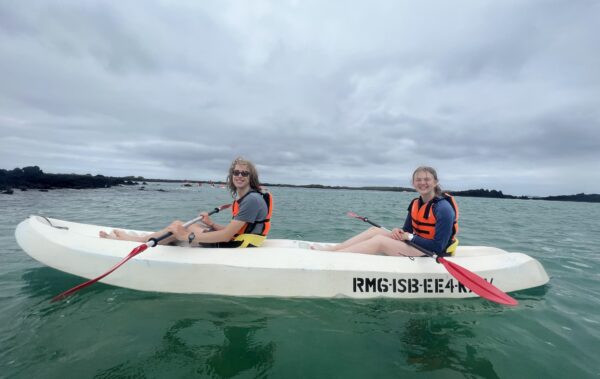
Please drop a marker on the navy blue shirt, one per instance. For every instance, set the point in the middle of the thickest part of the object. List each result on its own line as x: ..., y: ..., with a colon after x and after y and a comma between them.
x: 444, y: 216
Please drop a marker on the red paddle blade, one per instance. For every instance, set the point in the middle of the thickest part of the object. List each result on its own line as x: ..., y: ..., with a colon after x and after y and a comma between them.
x: 352, y: 214
x: 133, y: 253
x: 477, y: 284
x: 224, y: 206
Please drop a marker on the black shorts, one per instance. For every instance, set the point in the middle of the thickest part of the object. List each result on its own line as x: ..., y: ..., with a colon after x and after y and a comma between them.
x: 221, y: 245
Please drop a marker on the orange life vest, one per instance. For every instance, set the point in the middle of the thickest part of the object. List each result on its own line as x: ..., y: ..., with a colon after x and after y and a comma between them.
x: 249, y: 227
x: 423, y: 218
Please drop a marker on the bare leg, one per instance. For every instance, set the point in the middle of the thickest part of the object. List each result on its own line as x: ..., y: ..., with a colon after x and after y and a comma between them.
x: 117, y: 234
x: 124, y: 236
x: 381, y: 244
x: 364, y: 236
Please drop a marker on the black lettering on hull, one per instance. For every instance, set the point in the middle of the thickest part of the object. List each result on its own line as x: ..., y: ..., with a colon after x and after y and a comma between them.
x: 409, y: 285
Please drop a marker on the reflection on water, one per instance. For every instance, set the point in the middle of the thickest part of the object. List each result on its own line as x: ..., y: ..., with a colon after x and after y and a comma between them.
x: 240, y: 347
x: 428, y: 346
x: 432, y: 336
x: 217, y: 348
x: 537, y: 293
x: 44, y: 283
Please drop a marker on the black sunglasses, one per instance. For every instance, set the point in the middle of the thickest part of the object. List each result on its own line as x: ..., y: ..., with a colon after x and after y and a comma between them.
x: 242, y: 173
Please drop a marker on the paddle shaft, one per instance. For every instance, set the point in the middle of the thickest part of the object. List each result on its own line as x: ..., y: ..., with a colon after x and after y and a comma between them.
x: 155, y: 241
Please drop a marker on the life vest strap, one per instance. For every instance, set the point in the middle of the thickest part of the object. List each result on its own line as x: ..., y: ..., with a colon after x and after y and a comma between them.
x: 423, y: 223
x: 428, y: 208
x: 260, y: 221
x: 421, y: 232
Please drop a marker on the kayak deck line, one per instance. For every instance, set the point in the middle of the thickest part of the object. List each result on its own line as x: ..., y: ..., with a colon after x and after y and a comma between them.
x: 280, y: 268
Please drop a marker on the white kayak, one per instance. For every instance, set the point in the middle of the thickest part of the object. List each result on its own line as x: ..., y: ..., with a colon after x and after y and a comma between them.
x: 281, y: 268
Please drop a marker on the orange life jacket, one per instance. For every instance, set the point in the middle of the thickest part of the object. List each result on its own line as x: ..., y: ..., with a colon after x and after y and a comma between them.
x: 423, y: 218
x: 249, y: 227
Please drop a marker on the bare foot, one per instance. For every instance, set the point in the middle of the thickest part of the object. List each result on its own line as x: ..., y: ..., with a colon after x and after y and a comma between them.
x: 124, y: 236
x: 110, y: 236
x: 316, y: 246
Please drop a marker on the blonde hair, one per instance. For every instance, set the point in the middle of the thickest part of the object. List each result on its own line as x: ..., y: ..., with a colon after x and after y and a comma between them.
x: 253, y: 177
x: 431, y: 170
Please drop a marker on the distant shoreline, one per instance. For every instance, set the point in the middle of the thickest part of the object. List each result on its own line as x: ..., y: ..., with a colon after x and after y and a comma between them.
x: 33, y: 178
x: 494, y: 194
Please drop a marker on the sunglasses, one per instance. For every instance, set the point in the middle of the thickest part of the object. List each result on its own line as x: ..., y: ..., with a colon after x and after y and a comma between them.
x: 242, y: 173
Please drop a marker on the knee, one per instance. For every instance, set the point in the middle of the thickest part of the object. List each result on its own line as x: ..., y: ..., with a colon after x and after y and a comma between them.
x: 380, y: 239
x: 376, y: 231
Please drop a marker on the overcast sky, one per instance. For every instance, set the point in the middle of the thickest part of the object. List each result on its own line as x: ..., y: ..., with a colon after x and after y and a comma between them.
x: 494, y: 94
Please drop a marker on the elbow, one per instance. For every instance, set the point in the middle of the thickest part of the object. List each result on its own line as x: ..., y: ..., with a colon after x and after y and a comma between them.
x: 439, y: 246
x: 227, y: 236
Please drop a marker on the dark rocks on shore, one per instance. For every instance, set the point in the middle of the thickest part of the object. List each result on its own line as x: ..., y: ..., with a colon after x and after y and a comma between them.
x: 34, y: 178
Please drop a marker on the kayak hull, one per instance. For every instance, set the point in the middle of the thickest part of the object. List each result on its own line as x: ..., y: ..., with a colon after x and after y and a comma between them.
x: 280, y: 268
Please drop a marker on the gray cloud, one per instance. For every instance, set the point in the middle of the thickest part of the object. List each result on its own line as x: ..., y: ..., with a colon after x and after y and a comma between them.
x: 497, y: 95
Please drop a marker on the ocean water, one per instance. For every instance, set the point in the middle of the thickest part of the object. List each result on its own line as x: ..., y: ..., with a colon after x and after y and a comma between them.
x: 110, y: 332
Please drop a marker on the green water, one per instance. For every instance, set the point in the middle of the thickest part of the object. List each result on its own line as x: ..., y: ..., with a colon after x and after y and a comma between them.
x: 109, y: 332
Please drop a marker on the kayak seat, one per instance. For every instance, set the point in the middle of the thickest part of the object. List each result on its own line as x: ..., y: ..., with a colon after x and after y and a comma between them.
x: 452, y: 248
x: 250, y: 240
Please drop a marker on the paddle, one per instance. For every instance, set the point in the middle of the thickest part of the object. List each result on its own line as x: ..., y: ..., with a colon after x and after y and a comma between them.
x: 467, y: 278
x: 151, y: 243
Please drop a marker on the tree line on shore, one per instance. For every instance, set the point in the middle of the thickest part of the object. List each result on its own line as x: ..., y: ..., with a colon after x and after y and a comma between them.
x: 32, y: 177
